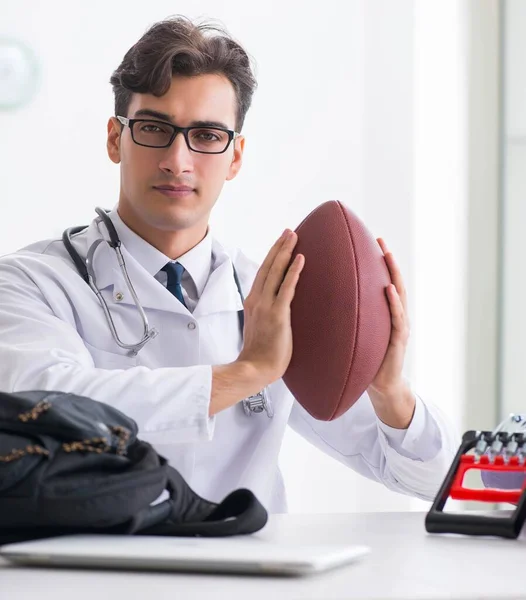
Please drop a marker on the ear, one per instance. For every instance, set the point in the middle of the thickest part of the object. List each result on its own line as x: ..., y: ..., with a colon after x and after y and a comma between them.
x: 237, y: 159
x: 113, y: 143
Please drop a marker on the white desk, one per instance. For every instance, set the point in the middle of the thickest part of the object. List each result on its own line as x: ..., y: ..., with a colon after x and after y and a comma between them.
x: 406, y: 562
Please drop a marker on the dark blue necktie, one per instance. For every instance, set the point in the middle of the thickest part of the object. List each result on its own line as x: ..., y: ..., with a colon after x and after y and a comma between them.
x: 175, y: 271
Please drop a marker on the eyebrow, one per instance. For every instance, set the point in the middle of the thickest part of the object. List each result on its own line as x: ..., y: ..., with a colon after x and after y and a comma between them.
x: 148, y: 112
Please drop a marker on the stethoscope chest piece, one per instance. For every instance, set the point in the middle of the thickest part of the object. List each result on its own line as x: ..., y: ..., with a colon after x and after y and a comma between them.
x: 258, y: 403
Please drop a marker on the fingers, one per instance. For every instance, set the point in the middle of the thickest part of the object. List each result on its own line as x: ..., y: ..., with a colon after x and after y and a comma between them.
x: 398, y: 316
x: 278, y: 269
x: 394, y: 272
x: 288, y: 287
x: 382, y: 245
x: 262, y: 274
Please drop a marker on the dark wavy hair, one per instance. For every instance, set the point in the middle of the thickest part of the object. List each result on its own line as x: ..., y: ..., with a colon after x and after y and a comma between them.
x: 177, y: 46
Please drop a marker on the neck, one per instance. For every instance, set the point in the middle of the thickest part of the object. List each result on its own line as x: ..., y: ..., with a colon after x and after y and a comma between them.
x: 172, y: 243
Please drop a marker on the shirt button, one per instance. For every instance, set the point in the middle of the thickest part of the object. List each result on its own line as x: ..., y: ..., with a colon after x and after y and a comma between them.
x: 119, y: 296
x: 191, y: 325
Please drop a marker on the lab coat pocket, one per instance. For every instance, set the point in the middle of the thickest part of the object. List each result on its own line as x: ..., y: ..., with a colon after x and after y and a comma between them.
x: 110, y: 360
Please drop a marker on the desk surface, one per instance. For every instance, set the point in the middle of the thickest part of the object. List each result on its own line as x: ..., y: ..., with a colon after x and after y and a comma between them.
x: 405, y: 562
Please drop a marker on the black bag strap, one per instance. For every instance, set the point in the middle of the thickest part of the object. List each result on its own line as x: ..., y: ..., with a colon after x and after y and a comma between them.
x: 239, y: 513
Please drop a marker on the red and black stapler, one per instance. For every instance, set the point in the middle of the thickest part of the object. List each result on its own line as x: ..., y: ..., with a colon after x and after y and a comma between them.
x: 501, y: 454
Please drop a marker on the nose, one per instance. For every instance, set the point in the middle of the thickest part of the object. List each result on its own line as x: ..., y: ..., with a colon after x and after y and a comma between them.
x: 177, y: 158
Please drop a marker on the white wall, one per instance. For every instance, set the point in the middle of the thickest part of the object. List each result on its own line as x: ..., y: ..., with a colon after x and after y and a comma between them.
x: 356, y: 75
x: 439, y: 235
x: 483, y: 276
x: 513, y: 374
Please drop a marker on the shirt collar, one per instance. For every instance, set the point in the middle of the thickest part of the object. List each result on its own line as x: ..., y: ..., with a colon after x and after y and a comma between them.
x: 197, y: 261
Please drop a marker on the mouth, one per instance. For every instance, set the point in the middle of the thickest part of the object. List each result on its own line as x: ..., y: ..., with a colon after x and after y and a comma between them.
x: 174, y: 191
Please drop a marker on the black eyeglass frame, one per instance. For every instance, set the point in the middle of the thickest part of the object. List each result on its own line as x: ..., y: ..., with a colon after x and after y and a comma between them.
x: 175, y: 130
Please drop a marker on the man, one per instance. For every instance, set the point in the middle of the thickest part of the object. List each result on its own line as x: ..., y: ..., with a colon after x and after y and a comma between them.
x: 181, y: 96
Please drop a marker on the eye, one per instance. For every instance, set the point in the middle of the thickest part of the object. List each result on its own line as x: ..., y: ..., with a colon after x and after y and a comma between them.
x: 152, y: 127
x: 207, y: 136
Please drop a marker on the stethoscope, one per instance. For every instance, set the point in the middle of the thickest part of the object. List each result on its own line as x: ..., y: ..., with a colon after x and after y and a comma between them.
x: 253, y: 404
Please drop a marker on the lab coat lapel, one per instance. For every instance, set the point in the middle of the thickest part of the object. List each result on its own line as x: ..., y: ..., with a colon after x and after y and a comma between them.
x: 151, y: 293
x: 220, y: 293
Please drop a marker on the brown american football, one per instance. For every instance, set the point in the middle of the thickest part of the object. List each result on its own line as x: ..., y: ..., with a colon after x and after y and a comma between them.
x: 341, y: 323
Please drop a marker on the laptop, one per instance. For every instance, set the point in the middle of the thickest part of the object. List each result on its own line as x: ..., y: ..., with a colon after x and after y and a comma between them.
x: 242, y: 554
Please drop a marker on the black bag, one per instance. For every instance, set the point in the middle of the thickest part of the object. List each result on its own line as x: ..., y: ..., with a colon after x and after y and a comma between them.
x: 70, y: 464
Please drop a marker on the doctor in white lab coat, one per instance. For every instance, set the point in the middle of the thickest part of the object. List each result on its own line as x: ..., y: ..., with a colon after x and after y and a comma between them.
x: 184, y: 388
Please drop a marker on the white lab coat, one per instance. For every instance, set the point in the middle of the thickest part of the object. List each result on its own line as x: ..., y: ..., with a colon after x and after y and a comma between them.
x: 54, y: 336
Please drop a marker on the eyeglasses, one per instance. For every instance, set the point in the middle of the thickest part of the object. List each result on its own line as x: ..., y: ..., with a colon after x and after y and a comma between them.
x: 160, y: 134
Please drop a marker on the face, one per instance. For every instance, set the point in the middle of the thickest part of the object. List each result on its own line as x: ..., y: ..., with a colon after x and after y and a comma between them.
x: 197, y: 178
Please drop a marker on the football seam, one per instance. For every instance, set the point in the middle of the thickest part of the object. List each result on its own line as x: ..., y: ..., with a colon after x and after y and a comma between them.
x: 357, y: 304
